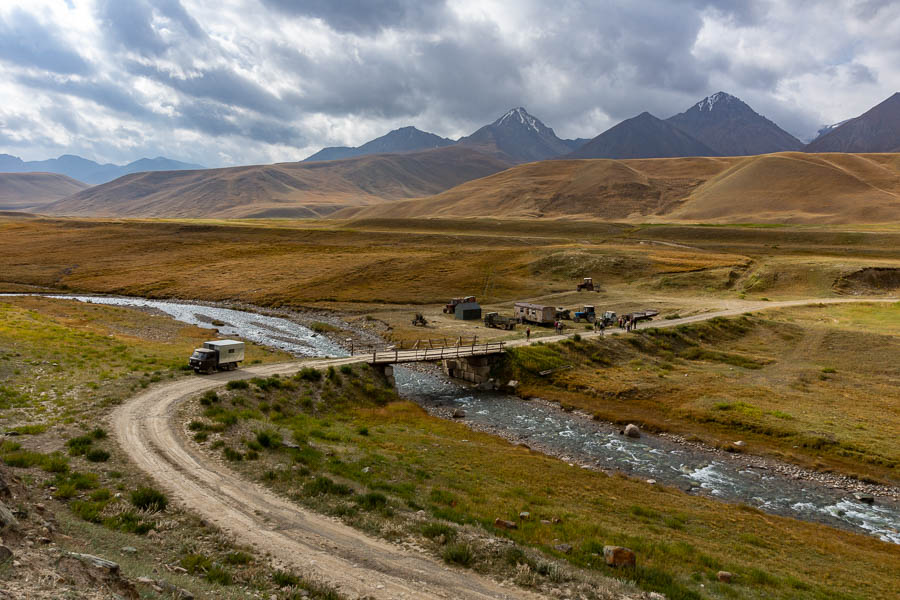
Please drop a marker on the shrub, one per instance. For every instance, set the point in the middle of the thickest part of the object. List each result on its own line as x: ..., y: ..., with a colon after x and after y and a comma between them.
x: 196, y: 563
x: 232, y: 454
x: 323, y: 485
x: 219, y: 575
x: 98, y: 434
x: 372, y: 501
x: 129, y: 522
x: 88, y: 511
x: 346, y: 369
x: 363, y: 431
x: 200, y: 436
x: 147, y: 498
x: 97, y: 455
x: 309, y: 374
x: 284, y: 579
x: 79, y: 445
x: 210, y: 397
x: 239, y: 384
x: 238, y: 558
x: 459, y: 554
x: 436, y: 530
x: 268, y: 438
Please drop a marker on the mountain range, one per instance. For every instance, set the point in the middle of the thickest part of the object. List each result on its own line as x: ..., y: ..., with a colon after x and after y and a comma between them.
x: 31, y: 191
x: 89, y: 171
x: 284, y: 190
x: 718, y: 125
x: 876, y: 130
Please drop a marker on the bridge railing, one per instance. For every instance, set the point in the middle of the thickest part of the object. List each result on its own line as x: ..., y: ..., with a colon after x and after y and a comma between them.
x: 421, y: 344
x: 398, y: 355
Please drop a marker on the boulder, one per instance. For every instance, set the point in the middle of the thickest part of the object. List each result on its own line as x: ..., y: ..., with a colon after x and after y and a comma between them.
x: 7, y: 518
x: 486, y: 386
x: 865, y: 498
x: 632, y: 431
x: 725, y: 576
x: 564, y: 548
x: 512, y: 385
x: 619, y: 556
x: 5, y: 555
x: 525, y: 516
x: 459, y: 413
x: 504, y: 524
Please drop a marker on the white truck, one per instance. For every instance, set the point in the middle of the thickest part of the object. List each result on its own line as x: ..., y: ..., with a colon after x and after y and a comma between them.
x: 220, y: 355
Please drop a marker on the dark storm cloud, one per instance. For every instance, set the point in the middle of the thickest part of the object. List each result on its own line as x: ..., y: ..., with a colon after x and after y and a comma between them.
x: 24, y: 41
x: 222, y: 85
x: 253, y: 78
x: 130, y: 23
x: 365, y: 16
x: 102, y: 92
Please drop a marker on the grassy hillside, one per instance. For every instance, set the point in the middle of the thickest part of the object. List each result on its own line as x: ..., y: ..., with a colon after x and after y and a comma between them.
x: 281, y: 190
x: 34, y: 190
x: 386, y: 466
x: 788, y: 187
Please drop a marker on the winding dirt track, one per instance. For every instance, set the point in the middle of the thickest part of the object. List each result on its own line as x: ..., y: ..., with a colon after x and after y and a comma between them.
x: 315, y: 545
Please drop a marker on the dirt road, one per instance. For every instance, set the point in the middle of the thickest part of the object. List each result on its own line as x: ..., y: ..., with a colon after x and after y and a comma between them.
x: 317, y: 546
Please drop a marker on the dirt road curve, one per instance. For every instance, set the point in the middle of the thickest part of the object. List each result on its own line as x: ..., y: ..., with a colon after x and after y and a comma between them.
x: 361, y: 566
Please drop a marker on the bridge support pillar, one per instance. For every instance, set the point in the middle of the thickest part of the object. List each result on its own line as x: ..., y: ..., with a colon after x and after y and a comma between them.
x: 474, y: 369
x: 387, y: 371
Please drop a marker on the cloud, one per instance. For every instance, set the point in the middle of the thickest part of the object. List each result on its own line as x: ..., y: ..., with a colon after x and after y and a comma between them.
x: 25, y: 41
x: 244, y: 81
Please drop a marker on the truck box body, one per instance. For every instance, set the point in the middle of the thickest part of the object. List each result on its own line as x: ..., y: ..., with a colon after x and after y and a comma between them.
x: 535, y: 313
x: 230, y: 351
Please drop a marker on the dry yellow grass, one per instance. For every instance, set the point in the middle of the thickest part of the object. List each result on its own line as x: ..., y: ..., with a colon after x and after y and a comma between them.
x: 790, y: 187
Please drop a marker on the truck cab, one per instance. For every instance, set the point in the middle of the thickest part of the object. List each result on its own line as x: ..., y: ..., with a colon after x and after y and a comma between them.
x: 218, y: 355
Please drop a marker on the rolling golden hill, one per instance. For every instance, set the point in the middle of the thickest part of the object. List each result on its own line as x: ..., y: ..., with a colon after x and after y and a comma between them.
x: 293, y: 190
x: 790, y: 187
x: 20, y: 191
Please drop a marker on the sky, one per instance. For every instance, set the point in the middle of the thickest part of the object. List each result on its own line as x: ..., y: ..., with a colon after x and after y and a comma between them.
x: 229, y: 82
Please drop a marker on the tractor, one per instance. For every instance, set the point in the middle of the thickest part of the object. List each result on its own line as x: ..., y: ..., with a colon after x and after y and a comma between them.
x: 587, y: 285
x: 563, y: 314
x: 586, y: 314
x: 419, y: 320
x: 451, y: 306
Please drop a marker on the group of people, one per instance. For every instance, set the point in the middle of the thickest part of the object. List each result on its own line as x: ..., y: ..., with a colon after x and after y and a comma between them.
x: 627, y: 323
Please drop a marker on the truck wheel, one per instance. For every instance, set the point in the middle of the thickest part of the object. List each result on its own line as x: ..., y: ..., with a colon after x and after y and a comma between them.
x: 577, y: 320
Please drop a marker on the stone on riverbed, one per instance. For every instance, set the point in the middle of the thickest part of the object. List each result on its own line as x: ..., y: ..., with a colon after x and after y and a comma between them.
x: 632, y: 431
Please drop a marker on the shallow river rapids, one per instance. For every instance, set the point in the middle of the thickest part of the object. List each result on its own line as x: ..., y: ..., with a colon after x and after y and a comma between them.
x: 580, y: 441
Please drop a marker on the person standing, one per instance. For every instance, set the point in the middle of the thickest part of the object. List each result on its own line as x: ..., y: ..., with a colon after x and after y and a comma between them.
x: 528, y: 333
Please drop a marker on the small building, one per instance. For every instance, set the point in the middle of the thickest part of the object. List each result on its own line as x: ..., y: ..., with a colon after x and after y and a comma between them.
x: 467, y: 311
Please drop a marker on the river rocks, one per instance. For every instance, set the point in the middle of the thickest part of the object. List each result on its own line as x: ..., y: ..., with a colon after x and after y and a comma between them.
x: 864, y: 498
x: 725, y: 576
x: 632, y: 431
x: 486, y: 386
x: 459, y: 413
x: 512, y: 385
x: 504, y: 524
x: 619, y: 556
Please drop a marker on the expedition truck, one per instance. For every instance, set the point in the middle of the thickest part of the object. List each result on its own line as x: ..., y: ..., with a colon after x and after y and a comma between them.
x: 220, y: 355
x: 493, y: 319
x: 539, y: 314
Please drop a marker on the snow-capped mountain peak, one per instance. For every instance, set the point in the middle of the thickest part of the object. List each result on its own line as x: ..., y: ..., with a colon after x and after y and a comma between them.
x: 709, y: 102
x: 521, y: 115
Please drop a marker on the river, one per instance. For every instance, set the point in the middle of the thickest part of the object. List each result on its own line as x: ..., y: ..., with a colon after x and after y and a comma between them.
x: 580, y: 441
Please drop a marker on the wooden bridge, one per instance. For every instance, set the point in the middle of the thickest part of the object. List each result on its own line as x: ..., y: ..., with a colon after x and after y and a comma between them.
x: 432, y: 350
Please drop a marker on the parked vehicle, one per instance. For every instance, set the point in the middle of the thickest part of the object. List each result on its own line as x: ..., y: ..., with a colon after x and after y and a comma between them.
x: 587, y: 285
x: 493, y: 319
x: 585, y: 314
x: 563, y: 314
x: 220, y: 355
x: 450, y: 307
x: 539, y: 314
x: 642, y: 315
x: 609, y: 318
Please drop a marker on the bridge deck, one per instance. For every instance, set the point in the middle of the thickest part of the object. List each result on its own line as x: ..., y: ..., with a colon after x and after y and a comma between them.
x: 384, y: 357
